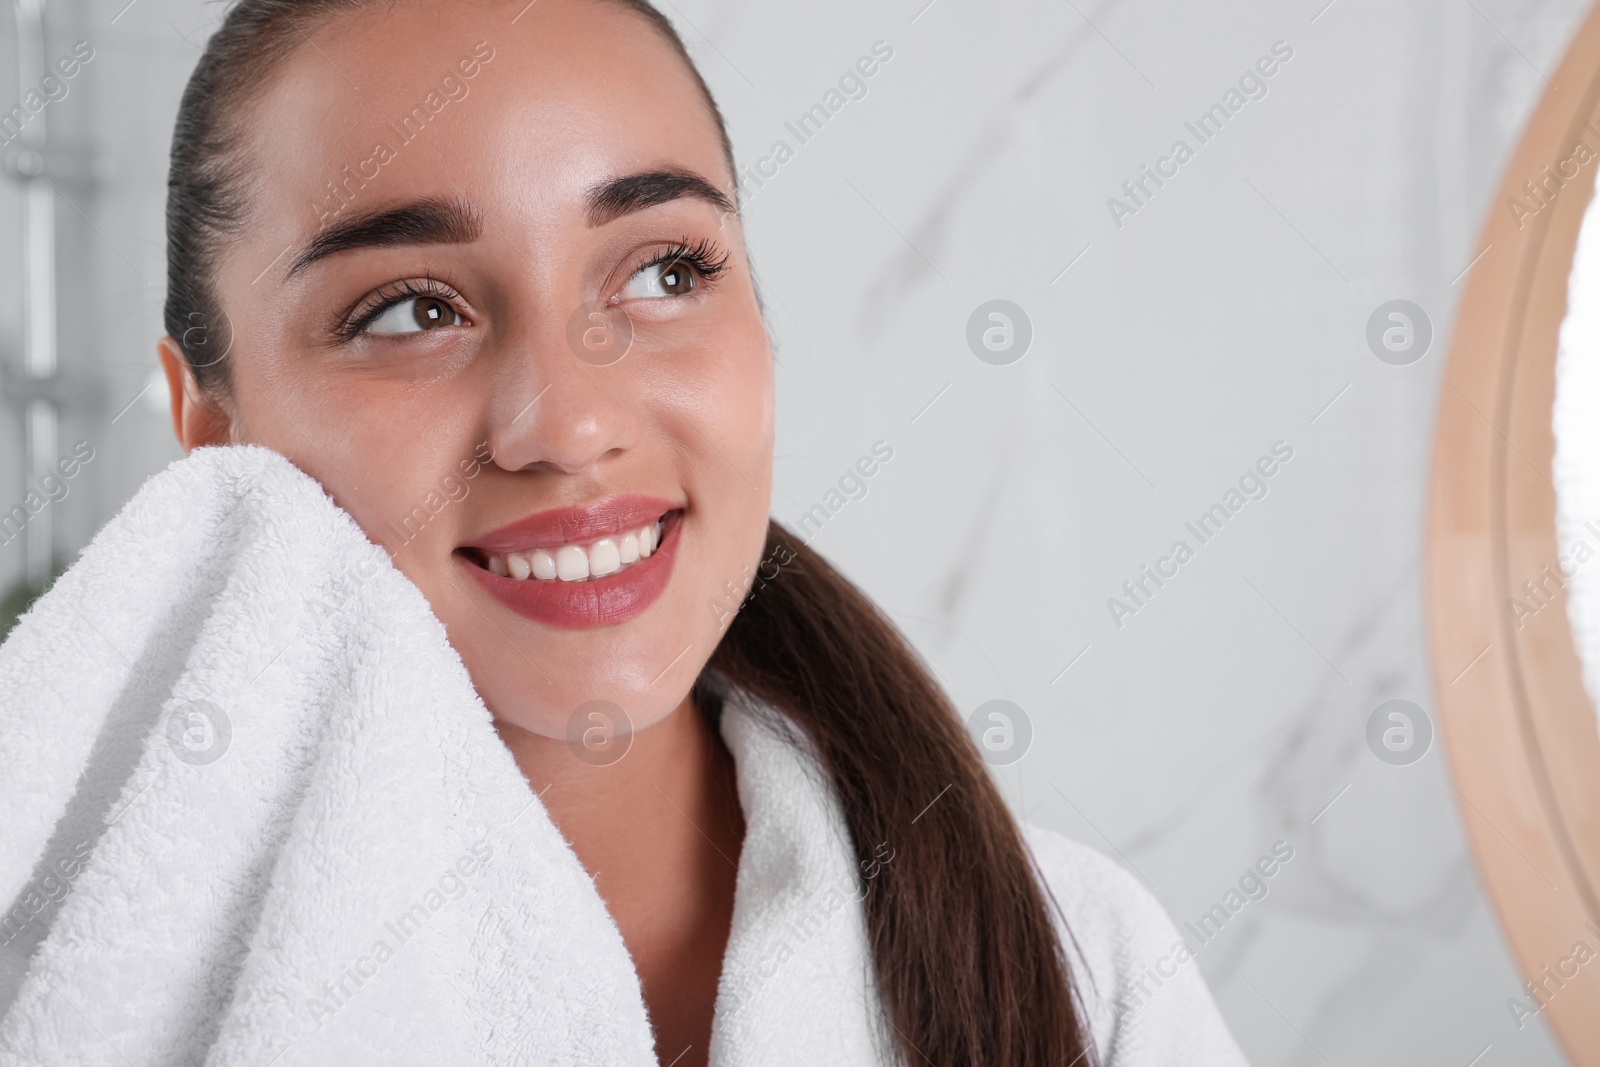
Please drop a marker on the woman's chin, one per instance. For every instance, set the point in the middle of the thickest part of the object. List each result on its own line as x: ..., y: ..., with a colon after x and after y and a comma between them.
x: 585, y: 718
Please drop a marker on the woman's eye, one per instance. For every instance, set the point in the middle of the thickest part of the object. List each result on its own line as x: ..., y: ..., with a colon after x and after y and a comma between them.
x: 414, y: 315
x: 660, y: 279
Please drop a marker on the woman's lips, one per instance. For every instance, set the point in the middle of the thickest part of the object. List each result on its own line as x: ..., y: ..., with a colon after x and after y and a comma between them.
x: 613, y: 598
x: 575, y: 525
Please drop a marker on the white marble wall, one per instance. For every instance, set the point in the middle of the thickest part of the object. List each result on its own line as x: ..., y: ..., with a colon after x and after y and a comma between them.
x: 1228, y: 313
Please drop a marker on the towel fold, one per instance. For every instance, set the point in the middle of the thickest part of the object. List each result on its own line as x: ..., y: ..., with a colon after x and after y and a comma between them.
x: 255, y: 809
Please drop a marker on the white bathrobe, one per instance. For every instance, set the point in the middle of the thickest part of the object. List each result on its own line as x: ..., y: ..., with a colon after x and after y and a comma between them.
x: 252, y: 812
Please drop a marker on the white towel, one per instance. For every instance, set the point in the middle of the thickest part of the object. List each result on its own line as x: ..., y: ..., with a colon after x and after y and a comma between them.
x: 254, y: 813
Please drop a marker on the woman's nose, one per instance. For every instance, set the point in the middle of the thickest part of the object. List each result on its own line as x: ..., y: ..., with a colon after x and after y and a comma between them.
x: 554, y: 409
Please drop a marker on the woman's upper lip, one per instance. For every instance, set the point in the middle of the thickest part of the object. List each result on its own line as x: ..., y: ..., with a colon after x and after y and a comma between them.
x: 575, y: 525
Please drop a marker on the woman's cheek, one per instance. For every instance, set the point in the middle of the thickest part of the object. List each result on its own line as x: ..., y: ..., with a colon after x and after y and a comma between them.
x: 735, y: 391
x: 722, y: 416
x: 387, y: 456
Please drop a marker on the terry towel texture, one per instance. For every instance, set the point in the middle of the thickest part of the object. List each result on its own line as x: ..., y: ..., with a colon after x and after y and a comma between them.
x: 254, y: 813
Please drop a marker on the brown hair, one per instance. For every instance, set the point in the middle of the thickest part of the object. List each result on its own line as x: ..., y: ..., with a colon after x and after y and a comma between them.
x: 968, y: 965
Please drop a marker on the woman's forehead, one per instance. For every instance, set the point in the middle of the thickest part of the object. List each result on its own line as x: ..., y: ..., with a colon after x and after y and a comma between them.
x: 441, y: 95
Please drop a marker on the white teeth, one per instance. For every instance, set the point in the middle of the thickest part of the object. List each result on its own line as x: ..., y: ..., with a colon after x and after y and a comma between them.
x: 604, y: 558
x: 572, y: 563
x: 577, y: 563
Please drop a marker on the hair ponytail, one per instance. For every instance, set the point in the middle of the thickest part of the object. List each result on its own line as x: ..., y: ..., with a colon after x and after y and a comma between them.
x: 968, y: 963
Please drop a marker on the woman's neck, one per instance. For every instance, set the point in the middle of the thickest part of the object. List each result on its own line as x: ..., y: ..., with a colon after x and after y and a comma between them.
x: 660, y: 831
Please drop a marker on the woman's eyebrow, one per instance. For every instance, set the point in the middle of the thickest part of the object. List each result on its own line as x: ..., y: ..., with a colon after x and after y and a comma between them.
x: 431, y: 220
x: 616, y: 197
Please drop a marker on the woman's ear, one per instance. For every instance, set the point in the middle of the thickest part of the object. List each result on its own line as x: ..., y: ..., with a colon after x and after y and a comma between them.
x: 196, y: 421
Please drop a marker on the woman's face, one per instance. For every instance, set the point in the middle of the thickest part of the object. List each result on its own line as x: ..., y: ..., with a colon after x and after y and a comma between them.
x: 491, y: 296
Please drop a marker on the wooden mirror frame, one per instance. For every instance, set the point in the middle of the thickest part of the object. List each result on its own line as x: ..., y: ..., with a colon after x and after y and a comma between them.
x: 1519, y: 730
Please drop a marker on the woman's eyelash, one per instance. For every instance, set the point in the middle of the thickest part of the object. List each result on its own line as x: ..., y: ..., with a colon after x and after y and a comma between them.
x: 703, y: 255
x: 386, y: 297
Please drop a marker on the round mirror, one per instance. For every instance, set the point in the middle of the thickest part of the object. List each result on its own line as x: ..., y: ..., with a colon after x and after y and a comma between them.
x: 1513, y: 554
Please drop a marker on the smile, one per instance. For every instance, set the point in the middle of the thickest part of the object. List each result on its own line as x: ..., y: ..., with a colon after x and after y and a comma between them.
x: 580, y: 567
x: 578, y: 563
